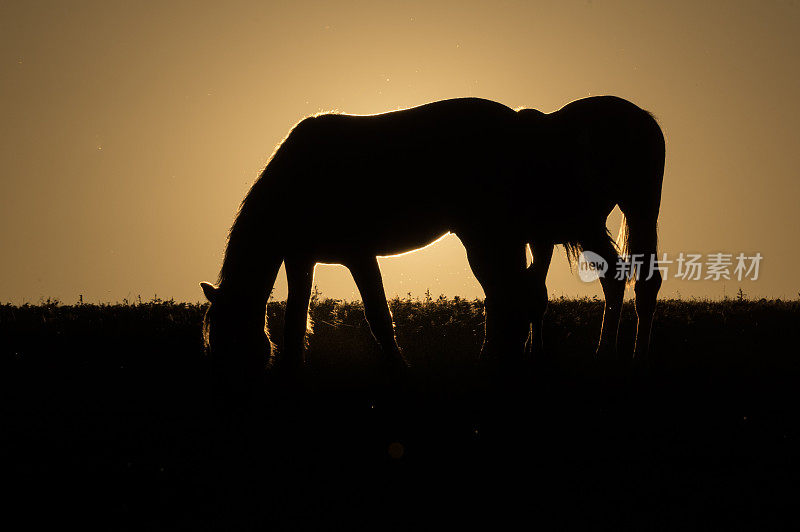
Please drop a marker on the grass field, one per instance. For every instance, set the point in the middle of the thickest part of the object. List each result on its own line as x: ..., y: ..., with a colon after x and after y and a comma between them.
x: 109, y: 415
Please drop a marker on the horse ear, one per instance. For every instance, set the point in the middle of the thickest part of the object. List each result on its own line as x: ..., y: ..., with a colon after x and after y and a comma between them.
x: 210, y: 291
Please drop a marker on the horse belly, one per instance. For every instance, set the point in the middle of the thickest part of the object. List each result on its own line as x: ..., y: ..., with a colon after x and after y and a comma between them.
x: 336, y: 239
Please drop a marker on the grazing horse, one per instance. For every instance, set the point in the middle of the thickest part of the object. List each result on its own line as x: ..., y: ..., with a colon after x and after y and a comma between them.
x: 346, y: 189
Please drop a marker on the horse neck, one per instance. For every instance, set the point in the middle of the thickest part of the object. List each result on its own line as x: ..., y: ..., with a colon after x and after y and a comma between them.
x: 248, y: 269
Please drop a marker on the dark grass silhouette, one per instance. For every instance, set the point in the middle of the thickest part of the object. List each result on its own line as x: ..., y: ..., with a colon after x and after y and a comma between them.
x: 109, y: 414
x: 499, y: 179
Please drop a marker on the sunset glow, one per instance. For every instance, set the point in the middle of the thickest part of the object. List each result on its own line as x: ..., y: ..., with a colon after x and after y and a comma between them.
x: 131, y: 133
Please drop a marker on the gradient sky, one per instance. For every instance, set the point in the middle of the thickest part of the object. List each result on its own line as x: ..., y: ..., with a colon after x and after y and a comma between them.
x: 132, y: 130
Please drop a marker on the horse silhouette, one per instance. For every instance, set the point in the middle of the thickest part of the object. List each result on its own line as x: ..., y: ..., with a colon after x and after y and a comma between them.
x: 346, y: 189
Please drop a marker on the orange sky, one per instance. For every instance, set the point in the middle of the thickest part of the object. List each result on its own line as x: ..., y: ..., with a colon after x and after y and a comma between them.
x: 130, y: 134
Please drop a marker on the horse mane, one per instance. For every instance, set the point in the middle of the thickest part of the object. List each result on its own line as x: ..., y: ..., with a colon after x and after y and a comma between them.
x: 235, y: 257
x: 252, y: 212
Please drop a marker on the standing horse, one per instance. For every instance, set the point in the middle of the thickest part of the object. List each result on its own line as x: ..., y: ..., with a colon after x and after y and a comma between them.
x: 347, y: 189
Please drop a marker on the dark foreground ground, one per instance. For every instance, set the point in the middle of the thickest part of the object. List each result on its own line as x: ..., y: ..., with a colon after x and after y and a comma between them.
x: 109, y: 416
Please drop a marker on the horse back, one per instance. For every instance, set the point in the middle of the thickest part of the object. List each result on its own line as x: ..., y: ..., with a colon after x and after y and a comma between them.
x: 421, y: 154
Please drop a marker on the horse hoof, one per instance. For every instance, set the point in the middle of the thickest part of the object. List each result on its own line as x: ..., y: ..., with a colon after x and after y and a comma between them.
x: 286, y: 367
x: 641, y: 365
x: 398, y: 368
x: 606, y: 354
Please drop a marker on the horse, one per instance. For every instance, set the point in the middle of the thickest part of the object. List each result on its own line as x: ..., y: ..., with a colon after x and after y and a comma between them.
x: 347, y: 189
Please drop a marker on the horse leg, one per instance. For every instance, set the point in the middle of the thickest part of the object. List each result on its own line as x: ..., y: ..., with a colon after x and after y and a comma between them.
x: 645, y: 289
x: 300, y: 277
x: 367, y: 275
x: 613, y: 291
x: 535, y: 277
x: 499, y: 267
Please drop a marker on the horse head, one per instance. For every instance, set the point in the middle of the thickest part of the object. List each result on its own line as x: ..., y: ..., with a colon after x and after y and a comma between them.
x: 234, y: 329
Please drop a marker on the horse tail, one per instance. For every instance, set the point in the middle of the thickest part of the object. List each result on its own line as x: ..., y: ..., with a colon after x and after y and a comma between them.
x: 623, y: 237
x: 573, y: 248
x: 640, y: 205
